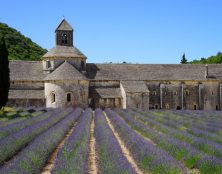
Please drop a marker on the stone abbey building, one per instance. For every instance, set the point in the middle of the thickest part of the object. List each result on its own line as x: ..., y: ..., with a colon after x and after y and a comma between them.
x: 63, y: 78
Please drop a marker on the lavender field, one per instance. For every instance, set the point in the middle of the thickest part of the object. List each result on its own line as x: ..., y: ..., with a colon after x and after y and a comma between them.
x: 110, y: 141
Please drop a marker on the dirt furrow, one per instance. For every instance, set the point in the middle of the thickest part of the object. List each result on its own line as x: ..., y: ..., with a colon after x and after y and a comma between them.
x: 92, y: 146
x: 51, y: 162
x: 124, y: 149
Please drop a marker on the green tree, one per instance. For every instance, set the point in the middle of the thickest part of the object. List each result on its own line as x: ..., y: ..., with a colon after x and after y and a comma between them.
x: 183, y: 60
x: 4, y: 73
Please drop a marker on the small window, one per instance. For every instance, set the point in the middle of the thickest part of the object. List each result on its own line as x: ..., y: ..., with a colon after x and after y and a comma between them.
x: 156, y: 106
x: 68, y: 97
x: 175, y: 93
x: 167, y: 106
x: 165, y: 93
x: 195, y: 107
x: 212, y: 93
x: 187, y: 93
x: 154, y: 93
x: 217, y: 108
x: 82, y: 65
x: 53, y: 98
x: 178, y: 108
x: 48, y: 64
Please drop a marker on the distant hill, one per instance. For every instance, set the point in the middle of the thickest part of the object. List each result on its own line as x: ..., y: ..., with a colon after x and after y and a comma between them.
x: 19, y: 46
x: 210, y: 60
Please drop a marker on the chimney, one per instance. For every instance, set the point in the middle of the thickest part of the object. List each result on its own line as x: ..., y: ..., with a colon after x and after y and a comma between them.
x: 206, y: 71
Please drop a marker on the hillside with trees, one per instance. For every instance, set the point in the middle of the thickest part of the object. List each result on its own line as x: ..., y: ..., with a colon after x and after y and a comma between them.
x: 19, y: 46
x: 210, y: 60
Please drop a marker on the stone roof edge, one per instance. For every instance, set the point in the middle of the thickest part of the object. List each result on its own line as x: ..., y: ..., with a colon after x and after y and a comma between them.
x: 31, y: 61
x: 153, y: 64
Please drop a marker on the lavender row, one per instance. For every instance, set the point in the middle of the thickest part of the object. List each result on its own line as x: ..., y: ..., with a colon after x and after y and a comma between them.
x: 35, y: 155
x: 183, y: 118
x: 182, y: 132
x: 211, y: 123
x: 203, y: 144
x: 149, y: 157
x: 110, y: 157
x: 73, y: 157
x: 187, y: 121
x: 16, y: 141
x: 15, y: 127
x: 179, y: 150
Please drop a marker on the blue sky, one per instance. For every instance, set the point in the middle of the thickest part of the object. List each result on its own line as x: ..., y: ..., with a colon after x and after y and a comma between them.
x: 136, y: 31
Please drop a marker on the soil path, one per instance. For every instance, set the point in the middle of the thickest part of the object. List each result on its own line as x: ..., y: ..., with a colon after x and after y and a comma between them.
x: 51, y: 162
x: 125, y: 151
x: 92, y: 148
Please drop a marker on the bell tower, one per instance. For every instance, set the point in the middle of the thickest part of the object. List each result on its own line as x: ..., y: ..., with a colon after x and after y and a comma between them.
x: 64, y: 34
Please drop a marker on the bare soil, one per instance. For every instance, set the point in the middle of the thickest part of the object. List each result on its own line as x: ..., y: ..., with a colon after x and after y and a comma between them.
x: 92, y: 151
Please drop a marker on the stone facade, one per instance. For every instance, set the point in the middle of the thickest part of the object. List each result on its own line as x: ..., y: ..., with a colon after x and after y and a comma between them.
x: 64, y: 79
x: 63, y: 94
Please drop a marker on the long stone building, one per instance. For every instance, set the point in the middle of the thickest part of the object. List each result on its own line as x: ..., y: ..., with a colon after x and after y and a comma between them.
x: 63, y: 78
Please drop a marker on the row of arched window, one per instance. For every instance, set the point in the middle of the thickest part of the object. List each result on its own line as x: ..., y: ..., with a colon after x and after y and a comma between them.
x: 53, y: 97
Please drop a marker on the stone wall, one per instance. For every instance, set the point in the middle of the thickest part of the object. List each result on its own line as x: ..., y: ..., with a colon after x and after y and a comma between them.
x: 19, y: 85
x: 77, y: 89
x: 108, y: 103
x: 191, y: 95
x: 26, y: 102
x: 210, y: 95
x: 137, y: 100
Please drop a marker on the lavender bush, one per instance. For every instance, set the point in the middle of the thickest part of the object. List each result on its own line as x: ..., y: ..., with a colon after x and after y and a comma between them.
x: 31, y: 160
x: 15, y: 127
x: 16, y: 141
x: 204, y: 144
x: 149, y: 157
x: 73, y: 157
x: 180, y: 150
x: 111, y: 160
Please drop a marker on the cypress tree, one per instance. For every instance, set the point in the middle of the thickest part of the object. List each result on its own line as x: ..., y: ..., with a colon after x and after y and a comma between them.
x: 4, y: 73
x: 183, y: 60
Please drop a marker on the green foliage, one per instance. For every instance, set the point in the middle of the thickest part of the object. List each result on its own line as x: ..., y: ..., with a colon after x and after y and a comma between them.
x: 4, y: 73
x: 210, y: 60
x: 183, y: 60
x: 19, y: 46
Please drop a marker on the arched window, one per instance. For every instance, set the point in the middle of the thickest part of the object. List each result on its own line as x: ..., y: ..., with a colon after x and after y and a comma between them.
x: 167, y: 106
x: 48, y: 64
x: 53, y: 97
x: 194, y: 107
x: 217, y: 108
x: 64, y: 38
x: 68, y: 97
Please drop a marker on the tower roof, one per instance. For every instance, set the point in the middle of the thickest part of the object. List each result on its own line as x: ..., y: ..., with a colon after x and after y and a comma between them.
x: 64, y: 52
x: 65, y: 72
x: 64, y: 25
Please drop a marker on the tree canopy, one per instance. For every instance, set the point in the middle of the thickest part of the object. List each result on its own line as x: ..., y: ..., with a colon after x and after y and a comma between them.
x: 19, y: 46
x: 210, y: 60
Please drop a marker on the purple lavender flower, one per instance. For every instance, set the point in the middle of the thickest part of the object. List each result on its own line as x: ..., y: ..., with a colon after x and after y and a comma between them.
x: 72, y: 158
x: 148, y: 156
x: 111, y: 159
x: 34, y: 156
x: 16, y: 141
